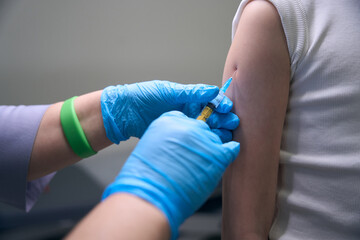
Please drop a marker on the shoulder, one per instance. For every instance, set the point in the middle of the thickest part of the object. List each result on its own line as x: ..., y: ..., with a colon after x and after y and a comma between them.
x: 263, y: 9
x: 274, y: 18
x: 259, y: 48
x: 259, y: 30
x: 260, y: 15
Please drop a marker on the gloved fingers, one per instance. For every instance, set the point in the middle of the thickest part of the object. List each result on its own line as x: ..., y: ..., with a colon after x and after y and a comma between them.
x: 225, y: 135
x: 178, y: 116
x: 231, y: 150
x: 193, y: 93
x: 192, y: 110
x: 228, y: 121
x: 225, y: 105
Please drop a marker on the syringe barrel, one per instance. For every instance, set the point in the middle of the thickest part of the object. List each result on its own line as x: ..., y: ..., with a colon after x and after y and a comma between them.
x: 206, y: 112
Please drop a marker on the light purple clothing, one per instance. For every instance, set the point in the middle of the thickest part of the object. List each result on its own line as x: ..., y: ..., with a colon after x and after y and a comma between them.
x: 18, y: 129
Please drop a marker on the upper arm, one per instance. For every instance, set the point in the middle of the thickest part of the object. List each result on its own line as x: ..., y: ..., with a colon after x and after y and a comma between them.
x: 259, y: 62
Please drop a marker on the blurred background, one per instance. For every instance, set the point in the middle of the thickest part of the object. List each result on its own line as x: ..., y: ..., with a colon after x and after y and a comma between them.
x: 51, y: 50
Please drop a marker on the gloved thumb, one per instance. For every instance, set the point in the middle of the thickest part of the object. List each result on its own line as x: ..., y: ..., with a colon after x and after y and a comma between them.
x: 231, y: 149
x: 197, y: 93
x: 174, y: 114
x: 225, y: 105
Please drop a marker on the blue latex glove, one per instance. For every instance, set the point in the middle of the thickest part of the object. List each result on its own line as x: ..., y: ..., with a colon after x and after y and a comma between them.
x: 128, y: 110
x: 175, y: 166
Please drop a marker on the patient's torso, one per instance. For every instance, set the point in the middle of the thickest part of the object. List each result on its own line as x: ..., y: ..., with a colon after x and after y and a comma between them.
x: 319, y: 177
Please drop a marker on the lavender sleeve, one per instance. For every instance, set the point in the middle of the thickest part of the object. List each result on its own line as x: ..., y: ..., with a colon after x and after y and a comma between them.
x: 18, y: 129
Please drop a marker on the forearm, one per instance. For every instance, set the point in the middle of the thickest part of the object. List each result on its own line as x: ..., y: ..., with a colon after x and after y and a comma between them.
x: 123, y: 216
x: 51, y: 150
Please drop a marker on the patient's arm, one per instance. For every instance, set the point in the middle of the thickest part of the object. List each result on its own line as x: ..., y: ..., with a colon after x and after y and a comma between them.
x: 259, y: 60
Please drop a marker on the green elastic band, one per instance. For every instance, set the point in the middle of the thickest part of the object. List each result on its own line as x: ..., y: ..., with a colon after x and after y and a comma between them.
x: 73, y: 131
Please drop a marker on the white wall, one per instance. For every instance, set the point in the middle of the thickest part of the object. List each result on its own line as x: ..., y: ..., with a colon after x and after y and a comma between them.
x: 51, y: 50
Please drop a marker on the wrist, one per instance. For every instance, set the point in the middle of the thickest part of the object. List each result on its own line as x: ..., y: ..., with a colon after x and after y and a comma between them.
x: 153, y: 222
x: 169, y: 206
x: 122, y: 216
x: 88, y: 111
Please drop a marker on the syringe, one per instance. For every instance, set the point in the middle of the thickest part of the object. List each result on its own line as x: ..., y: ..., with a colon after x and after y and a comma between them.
x: 213, y: 104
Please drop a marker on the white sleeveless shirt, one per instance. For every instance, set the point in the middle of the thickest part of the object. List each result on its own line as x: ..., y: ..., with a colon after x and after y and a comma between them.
x: 319, y: 179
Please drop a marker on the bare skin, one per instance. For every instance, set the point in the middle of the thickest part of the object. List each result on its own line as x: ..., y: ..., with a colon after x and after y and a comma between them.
x: 123, y: 216
x: 259, y: 90
x: 51, y: 150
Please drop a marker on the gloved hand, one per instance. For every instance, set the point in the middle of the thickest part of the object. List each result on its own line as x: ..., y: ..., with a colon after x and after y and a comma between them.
x: 128, y: 110
x: 175, y: 166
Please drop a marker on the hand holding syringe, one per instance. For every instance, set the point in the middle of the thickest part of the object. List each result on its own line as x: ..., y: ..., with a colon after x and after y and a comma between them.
x: 213, y: 104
